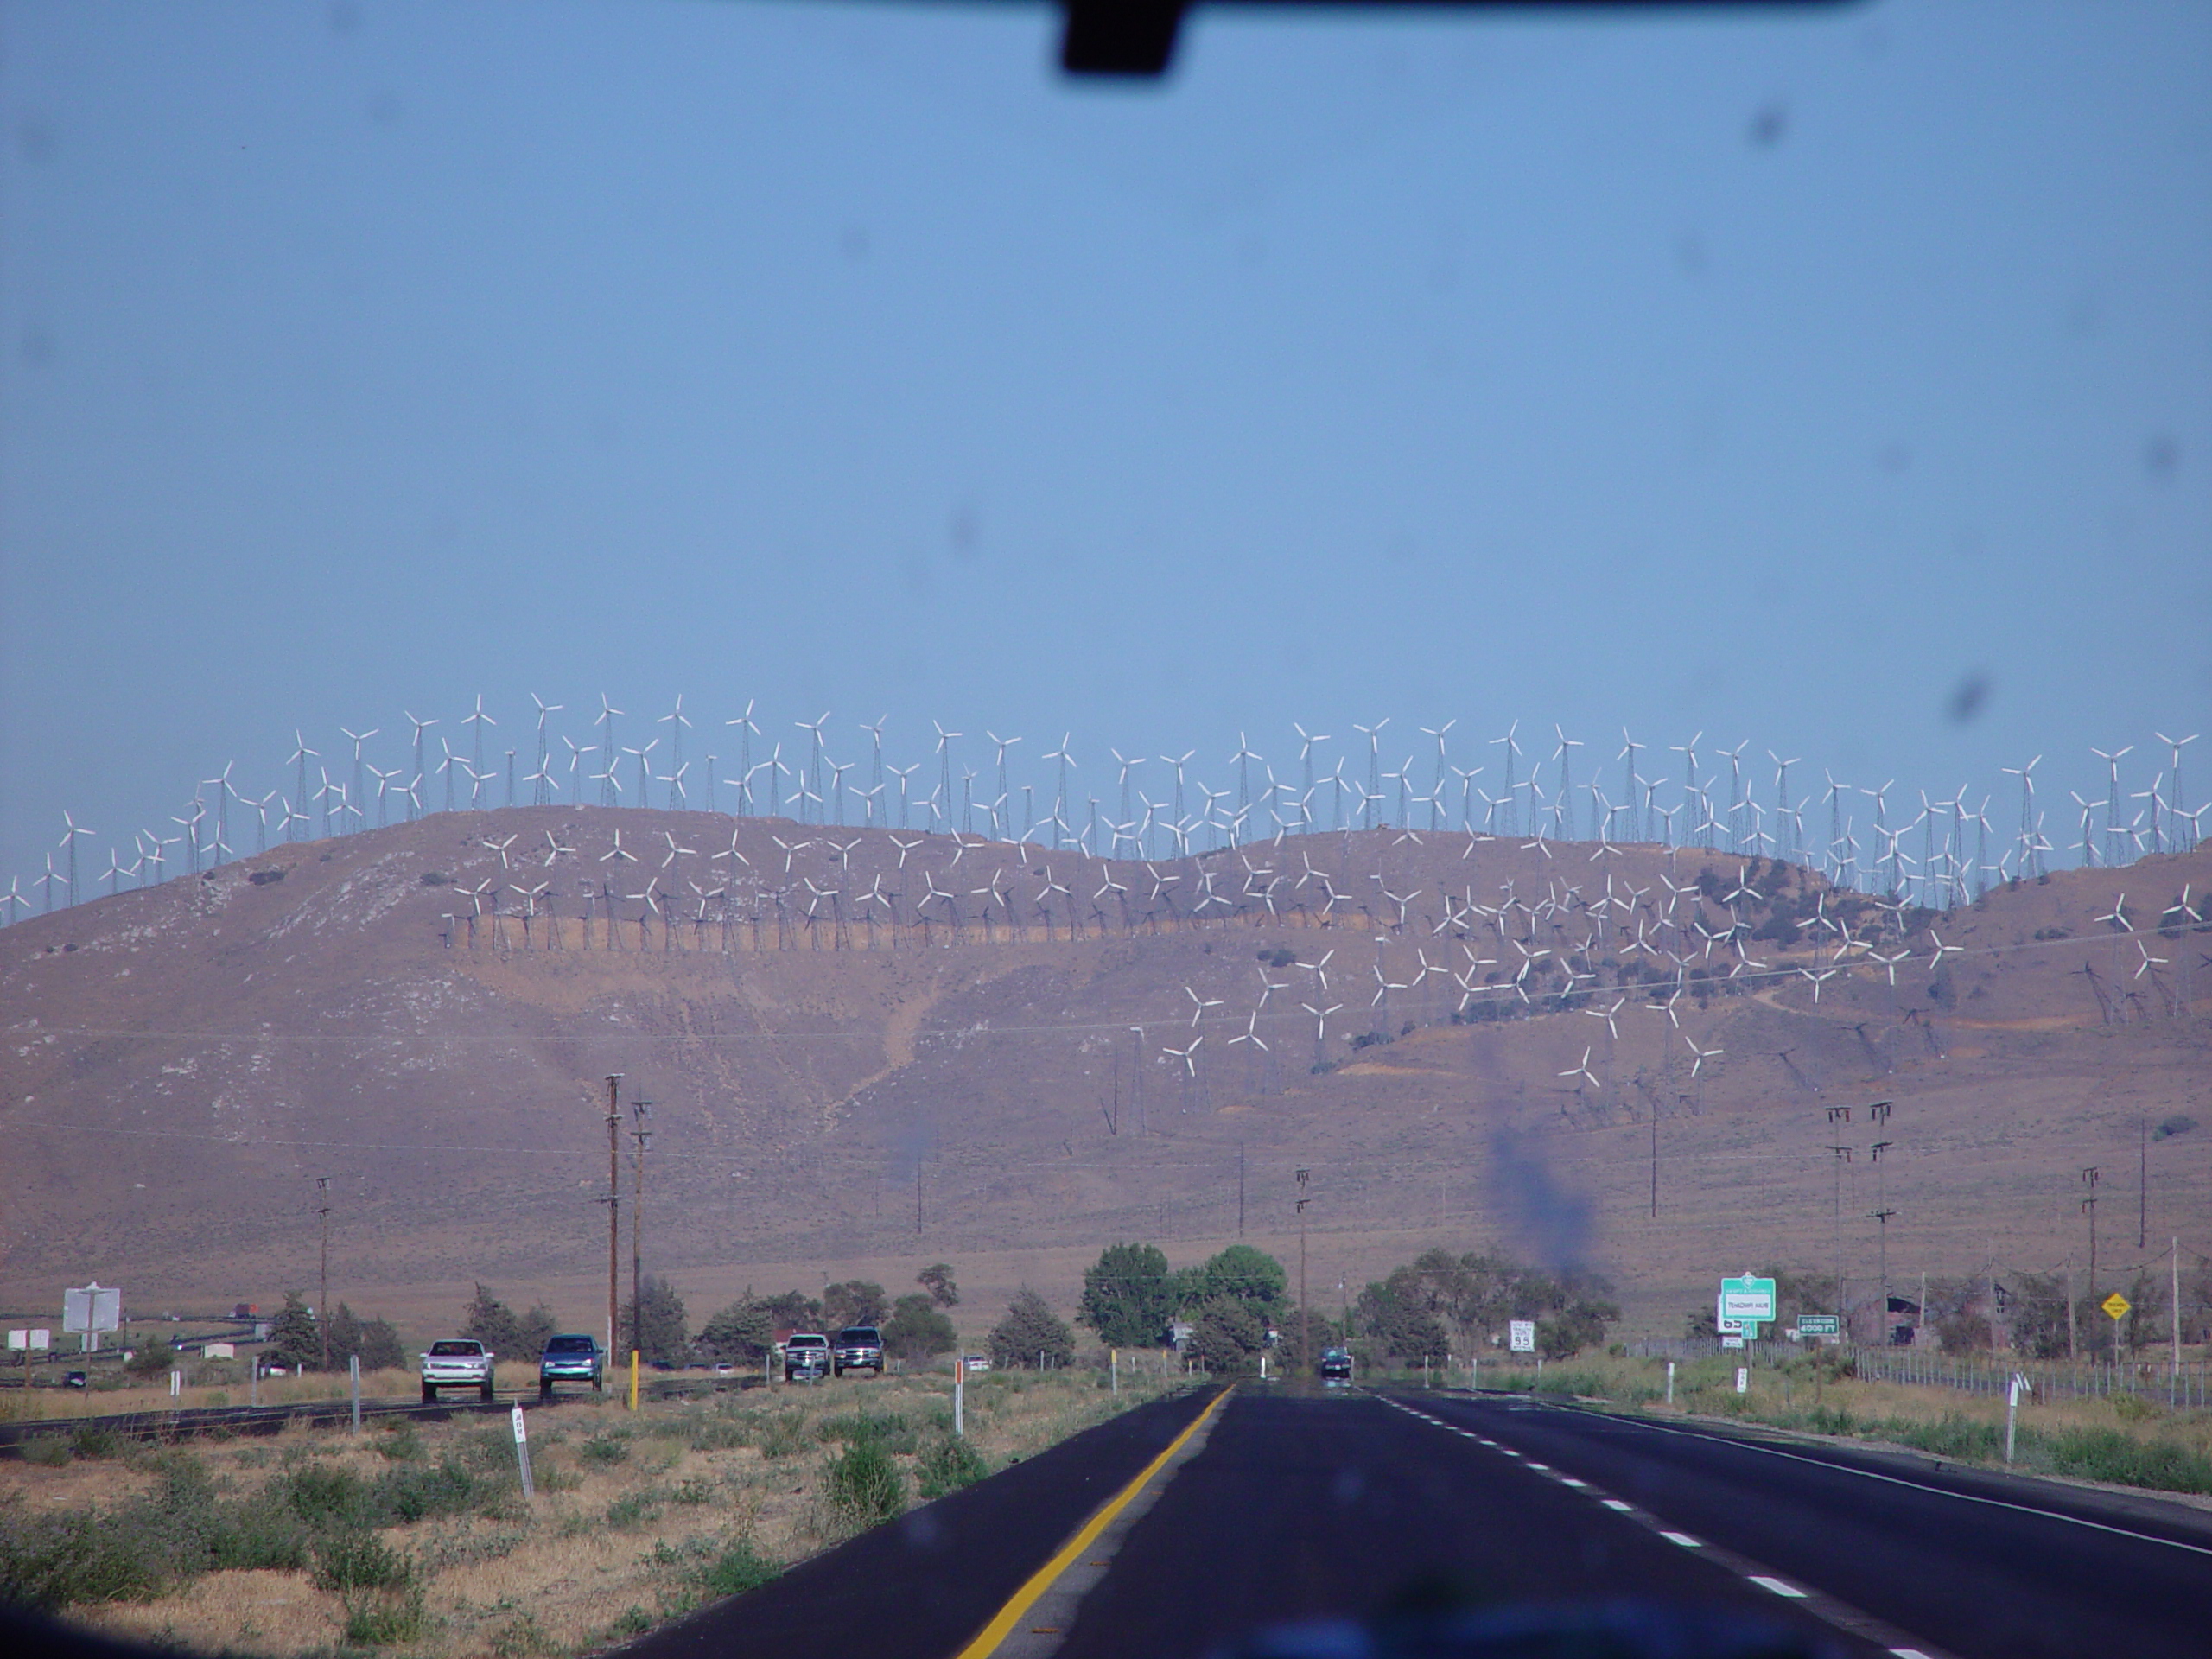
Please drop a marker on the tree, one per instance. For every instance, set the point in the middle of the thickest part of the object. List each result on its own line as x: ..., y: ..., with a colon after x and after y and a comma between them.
x: 1397, y: 1320
x: 295, y: 1337
x: 373, y: 1341
x: 1252, y: 1277
x: 918, y: 1329
x: 793, y: 1310
x: 492, y: 1322
x: 1230, y: 1337
x: 853, y: 1302
x: 937, y: 1280
x: 663, y: 1334
x: 1031, y: 1331
x: 743, y: 1331
x: 532, y: 1330
x: 1128, y: 1297
x: 152, y: 1360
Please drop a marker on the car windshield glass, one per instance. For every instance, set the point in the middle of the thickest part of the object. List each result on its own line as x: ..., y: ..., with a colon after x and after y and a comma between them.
x: 808, y: 1342
x: 569, y: 1345
x: 861, y: 1334
x: 456, y: 1349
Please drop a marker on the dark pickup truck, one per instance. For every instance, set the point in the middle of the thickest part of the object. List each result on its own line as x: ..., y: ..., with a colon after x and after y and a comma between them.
x: 858, y: 1348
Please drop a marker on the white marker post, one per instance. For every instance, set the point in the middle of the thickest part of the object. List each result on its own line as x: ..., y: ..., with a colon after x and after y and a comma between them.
x: 1743, y: 1379
x: 2019, y: 1386
x: 1113, y: 1370
x: 1670, y: 1382
x: 522, y: 1455
x: 960, y: 1396
x: 177, y: 1385
x: 353, y: 1371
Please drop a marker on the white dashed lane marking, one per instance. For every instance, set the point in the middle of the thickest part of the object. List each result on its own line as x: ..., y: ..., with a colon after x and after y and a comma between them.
x: 1683, y: 1539
x: 1778, y: 1585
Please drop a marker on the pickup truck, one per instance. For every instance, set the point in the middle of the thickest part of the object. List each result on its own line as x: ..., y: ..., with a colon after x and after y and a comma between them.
x: 806, y: 1354
x: 858, y: 1347
x: 456, y: 1363
x: 571, y: 1358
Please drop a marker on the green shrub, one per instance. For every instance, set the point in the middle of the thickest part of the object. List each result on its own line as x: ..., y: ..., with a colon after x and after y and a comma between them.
x: 947, y: 1464
x: 384, y: 1621
x: 605, y: 1448
x: 399, y: 1443
x: 785, y: 1434
x: 360, y: 1560
x: 91, y: 1442
x: 635, y: 1509
x: 888, y: 1429
x: 47, y: 1451
x: 865, y: 1486
x: 2107, y: 1454
x: 736, y: 1570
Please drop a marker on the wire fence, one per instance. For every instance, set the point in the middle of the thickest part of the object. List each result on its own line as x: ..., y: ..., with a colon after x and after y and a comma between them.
x: 2185, y: 1387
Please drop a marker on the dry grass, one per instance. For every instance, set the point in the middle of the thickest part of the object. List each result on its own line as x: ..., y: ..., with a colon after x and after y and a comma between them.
x: 2117, y: 1440
x: 632, y: 1511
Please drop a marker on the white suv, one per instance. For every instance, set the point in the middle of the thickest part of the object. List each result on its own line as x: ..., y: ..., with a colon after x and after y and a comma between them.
x: 456, y: 1362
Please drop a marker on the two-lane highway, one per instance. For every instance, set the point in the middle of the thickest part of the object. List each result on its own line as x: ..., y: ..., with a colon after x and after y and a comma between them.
x: 1179, y: 1533
x: 1974, y: 1562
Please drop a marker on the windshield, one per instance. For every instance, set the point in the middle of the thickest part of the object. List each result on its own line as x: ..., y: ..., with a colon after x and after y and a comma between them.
x: 1506, y: 705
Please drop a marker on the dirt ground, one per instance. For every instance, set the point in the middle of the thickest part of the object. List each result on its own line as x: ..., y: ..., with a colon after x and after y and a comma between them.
x: 631, y: 1512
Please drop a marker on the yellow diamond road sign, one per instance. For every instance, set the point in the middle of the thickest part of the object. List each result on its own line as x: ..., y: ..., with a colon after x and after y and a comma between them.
x: 2117, y: 1305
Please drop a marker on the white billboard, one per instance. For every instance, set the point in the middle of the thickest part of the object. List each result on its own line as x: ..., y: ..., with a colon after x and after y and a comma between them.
x: 92, y: 1310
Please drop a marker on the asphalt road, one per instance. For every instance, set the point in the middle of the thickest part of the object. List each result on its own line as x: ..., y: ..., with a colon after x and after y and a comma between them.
x: 1970, y: 1562
x: 921, y: 1587
x: 1303, y: 1507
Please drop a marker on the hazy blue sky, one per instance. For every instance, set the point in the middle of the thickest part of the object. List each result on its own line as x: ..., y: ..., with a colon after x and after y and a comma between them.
x: 1773, y: 377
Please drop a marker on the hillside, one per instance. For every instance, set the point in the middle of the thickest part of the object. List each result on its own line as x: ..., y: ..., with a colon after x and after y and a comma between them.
x: 845, y: 1032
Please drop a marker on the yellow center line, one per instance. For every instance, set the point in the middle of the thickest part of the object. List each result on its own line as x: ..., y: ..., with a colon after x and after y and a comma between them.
x: 1002, y: 1623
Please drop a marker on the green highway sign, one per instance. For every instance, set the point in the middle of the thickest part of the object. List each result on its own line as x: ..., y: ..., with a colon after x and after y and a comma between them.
x: 1748, y: 1300
x: 1819, y: 1324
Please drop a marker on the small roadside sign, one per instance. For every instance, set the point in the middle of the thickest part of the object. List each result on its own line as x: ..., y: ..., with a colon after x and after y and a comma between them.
x: 1520, y: 1336
x: 2117, y: 1307
x: 1731, y: 1342
x: 1819, y: 1324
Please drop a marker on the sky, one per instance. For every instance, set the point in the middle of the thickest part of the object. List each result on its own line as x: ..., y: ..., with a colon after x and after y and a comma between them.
x: 1836, y: 384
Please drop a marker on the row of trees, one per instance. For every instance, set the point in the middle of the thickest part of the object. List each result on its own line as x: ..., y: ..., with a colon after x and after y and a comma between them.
x: 295, y: 1338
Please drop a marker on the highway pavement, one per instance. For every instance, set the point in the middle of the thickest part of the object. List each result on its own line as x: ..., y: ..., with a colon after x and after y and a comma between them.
x: 1288, y: 1507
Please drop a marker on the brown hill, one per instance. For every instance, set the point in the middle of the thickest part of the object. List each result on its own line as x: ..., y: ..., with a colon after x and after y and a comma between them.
x: 863, y: 1047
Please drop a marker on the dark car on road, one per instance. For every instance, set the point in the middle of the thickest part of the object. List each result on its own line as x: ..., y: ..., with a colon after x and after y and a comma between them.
x: 1335, y: 1365
x: 571, y: 1358
x: 858, y: 1347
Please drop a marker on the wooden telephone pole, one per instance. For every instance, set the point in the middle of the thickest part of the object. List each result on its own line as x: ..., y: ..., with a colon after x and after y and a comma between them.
x: 614, y: 1210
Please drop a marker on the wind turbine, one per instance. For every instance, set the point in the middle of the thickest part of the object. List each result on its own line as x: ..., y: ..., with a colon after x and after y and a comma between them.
x: 1003, y: 744
x: 1060, y: 794
x: 2112, y: 802
x: 2179, y: 809
x: 1563, y: 808
x: 745, y: 737
x: 1305, y: 742
x: 69, y: 845
x: 1436, y: 787
x: 1511, y: 826
x: 1792, y: 850
x: 421, y: 772
x: 676, y: 721
x: 300, y: 755
x: 478, y: 719
x: 1373, y: 793
x: 610, y: 788
x: 543, y: 794
x: 941, y: 807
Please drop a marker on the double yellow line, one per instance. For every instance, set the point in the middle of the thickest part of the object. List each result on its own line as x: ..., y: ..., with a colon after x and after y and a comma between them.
x: 1002, y: 1623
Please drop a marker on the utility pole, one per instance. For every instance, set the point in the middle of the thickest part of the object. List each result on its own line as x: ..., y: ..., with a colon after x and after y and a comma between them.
x: 1654, y: 1163
x: 1882, y: 1214
x: 2089, y: 1209
x: 2174, y: 1311
x: 1305, y: 1313
x: 613, y: 1209
x: 2143, y: 1182
x: 640, y: 1110
x: 1239, y: 1188
x: 323, y: 1307
x: 1842, y: 1301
